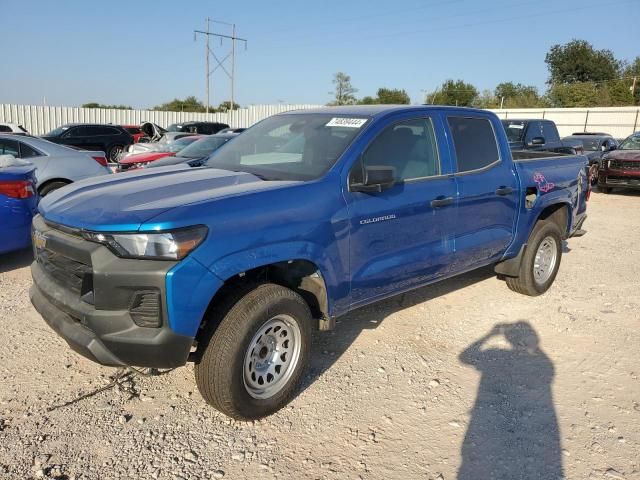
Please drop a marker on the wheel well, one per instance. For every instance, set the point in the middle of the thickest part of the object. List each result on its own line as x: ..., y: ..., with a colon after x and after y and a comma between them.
x: 301, y: 276
x: 54, y: 180
x: 558, y: 214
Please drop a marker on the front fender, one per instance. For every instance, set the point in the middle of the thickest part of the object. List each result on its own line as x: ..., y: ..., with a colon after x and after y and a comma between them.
x: 239, y: 262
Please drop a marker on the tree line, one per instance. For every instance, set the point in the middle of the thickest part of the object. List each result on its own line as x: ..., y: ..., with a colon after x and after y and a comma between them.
x: 190, y: 104
x: 579, y: 76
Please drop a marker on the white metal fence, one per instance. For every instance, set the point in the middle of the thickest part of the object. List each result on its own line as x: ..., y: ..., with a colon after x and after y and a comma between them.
x: 38, y: 119
x: 618, y: 121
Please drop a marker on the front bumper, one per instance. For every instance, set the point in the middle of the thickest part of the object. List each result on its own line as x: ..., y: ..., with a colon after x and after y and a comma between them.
x: 620, y: 178
x: 85, y: 294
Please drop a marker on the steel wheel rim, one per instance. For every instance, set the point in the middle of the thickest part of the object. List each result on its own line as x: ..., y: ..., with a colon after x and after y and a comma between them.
x: 545, y: 261
x: 272, y: 356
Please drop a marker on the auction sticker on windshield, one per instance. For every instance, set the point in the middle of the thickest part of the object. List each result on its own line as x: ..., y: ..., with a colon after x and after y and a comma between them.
x: 346, y: 122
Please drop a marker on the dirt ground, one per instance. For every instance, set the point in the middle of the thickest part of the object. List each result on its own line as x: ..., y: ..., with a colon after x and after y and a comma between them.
x: 464, y: 379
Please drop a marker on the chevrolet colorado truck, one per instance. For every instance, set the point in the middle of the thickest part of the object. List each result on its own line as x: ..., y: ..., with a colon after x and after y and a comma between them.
x: 302, y: 218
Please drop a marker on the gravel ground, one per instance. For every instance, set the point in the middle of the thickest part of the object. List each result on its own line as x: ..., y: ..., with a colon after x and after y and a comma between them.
x: 413, y: 387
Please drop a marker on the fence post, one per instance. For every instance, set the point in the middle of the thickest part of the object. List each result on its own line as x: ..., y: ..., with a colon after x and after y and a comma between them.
x: 635, y: 123
x: 586, y: 120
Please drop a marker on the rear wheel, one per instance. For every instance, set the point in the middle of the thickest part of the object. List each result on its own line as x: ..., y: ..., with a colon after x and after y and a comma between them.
x: 50, y: 187
x: 115, y: 153
x: 540, y: 262
x: 254, y: 361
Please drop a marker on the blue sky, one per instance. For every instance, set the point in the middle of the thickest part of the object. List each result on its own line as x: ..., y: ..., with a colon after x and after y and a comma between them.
x: 143, y: 53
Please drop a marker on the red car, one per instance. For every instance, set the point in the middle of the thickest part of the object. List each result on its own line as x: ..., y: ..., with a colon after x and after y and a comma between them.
x: 135, y: 131
x: 621, y: 167
x: 138, y: 160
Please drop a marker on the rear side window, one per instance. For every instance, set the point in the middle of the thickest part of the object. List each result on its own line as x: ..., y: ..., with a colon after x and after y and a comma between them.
x: 474, y: 141
x: 27, y: 152
x: 550, y: 132
x: 9, y: 147
x: 102, y: 131
x: 5, y: 128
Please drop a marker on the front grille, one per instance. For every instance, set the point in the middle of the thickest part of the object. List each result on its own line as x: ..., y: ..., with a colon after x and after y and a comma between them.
x: 624, y: 165
x: 73, y: 275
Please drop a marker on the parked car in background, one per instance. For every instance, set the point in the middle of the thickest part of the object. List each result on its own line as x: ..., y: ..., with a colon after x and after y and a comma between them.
x: 234, y: 265
x: 620, y: 168
x: 595, y: 144
x: 135, y: 131
x: 57, y: 165
x: 152, y: 132
x: 18, y: 202
x: 13, y: 128
x: 538, y: 135
x: 197, y: 153
x: 111, y: 139
x: 204, y: 128
x: 168, y: 138
x: 139, y: 160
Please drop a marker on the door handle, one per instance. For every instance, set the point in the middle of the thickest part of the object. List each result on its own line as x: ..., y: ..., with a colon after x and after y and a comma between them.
x: 441, y: 202
x: 504, y: 191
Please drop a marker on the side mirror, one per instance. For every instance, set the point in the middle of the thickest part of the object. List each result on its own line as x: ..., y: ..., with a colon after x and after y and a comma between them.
x: 537, y: 141
x: 376, y: 179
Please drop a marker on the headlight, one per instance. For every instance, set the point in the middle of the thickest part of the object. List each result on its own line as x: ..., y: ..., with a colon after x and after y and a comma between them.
x: 173, y: 245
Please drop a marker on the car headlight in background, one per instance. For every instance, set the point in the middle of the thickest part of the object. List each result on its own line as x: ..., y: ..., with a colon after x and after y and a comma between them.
x: 171, y: 245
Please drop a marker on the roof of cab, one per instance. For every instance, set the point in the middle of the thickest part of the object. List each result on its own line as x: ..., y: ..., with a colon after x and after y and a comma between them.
x: 374, y: 110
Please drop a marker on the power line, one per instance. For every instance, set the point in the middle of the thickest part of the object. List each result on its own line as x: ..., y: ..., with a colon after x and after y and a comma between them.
x: 220, y: 63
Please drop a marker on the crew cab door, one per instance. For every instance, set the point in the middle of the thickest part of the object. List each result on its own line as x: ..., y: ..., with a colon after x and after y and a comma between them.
x: 402, y: 236
x: 487, y: 192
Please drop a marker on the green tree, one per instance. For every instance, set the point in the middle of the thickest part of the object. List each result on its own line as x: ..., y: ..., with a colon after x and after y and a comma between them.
x: 100, y: 105
x: 512, y: 95
x: 368, y: 100
x: 226, y: 106
x: 453, y: 92
x: 344, y: 92
x: 578, y: 61
x: 393, y: 96
x: 189, y: 104
x: 486, y: 100
x: 630, y: 71
x: 583, y: 94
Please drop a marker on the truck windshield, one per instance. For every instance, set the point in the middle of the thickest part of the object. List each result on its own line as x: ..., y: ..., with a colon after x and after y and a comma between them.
x: 514, y: 129
x: 630, y: 143
x: 289, y: 147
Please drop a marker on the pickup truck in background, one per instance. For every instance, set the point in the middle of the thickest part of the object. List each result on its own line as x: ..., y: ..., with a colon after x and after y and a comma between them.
x: 302, y: 218
x: 539, y: 135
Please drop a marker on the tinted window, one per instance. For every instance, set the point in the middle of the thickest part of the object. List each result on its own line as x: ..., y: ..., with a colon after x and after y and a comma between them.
x: 514, y: 129
x: 534, y: 129
x: 474, y: 141
x: 97, y: 130
x: 5, y: 128
x: 408, y: 146
x: 9, y: 147
x: 27, y: 152
x: 550, y: 132
x: 76, y: 132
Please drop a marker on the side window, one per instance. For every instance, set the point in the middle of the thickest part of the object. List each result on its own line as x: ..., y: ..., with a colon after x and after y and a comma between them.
x: 408, y: 146
x: 9, y: 147
x: 27, y: 152
x: 474, y: 141
x: 75, y: 132
x: 550, y: 132
x: 534, y: 129
x: 5, y: 128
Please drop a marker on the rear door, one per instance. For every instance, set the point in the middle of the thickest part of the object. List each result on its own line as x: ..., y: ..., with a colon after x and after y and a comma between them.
x: 487, y: 192
x: 399, y: 238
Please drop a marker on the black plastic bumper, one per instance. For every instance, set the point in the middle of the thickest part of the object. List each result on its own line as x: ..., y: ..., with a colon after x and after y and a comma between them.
x: 87, y: 300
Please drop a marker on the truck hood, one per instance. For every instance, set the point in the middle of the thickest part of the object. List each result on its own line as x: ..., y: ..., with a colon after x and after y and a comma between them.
x: 624, y: 155
x: 123, y: 202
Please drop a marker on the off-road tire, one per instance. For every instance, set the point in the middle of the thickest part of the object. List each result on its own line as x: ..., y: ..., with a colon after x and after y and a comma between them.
x: 525, y: 282
x: 219, y: 371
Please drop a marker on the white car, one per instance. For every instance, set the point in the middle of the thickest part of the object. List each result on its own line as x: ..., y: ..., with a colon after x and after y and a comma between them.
x: 14, y: 128
x: 56, y: 165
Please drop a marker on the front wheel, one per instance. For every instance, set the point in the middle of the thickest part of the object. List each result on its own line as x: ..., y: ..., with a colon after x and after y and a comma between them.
x: 540, y: 262
x: 115, y: 153
x: 254, y: 361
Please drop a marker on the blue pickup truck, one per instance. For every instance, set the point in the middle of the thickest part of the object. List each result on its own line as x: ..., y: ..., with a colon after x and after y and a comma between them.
x: 302, y: 218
